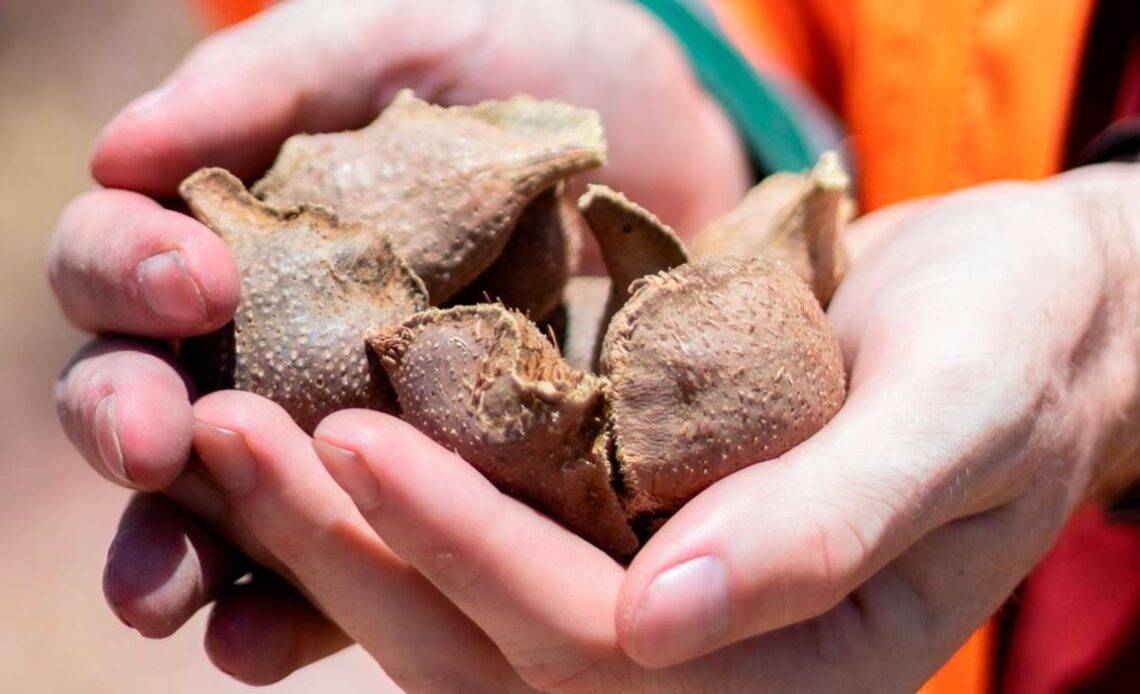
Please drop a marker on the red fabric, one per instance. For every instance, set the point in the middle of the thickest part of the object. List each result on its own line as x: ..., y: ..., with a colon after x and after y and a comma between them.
x: 1077, y: 623
x: 1078, y: 615
x: 1128, y: 104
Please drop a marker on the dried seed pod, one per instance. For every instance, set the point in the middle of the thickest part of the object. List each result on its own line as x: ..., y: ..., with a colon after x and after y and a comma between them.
x: 790, y: 217
x: 484, y: 382
x: 582, y: 326
x: 634, y: 244
x: 538, y: 261
x: 633, y: 241
x: 310, y: 286
x: 715, y: 365
x: 448, y: 184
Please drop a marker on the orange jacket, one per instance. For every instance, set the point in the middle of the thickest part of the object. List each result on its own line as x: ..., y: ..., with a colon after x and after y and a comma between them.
x: 936, y: 96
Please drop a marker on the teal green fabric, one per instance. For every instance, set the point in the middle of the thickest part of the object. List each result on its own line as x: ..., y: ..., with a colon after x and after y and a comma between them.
x: 766, y: 125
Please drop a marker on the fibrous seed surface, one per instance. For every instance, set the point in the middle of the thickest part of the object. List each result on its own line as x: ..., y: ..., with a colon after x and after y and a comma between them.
x: 311, y: 285
x: 482, y: 381
x: 716, y: 365
x: 796, y: 218
x: 448, y: 184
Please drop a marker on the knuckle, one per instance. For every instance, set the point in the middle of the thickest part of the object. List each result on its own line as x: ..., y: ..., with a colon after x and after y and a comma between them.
x: 840, y: 554
x: 451, y: 571
x: 455, y: 566
x: 555, y: 669
x: 430, y: 677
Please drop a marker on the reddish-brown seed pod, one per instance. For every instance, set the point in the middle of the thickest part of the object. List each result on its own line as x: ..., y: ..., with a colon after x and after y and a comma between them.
x: 311, y: 285
x: 795, y: 218
x: 484, y: 382
x: 447, y: 184
x: 541, y: 256
x: 714, y: 366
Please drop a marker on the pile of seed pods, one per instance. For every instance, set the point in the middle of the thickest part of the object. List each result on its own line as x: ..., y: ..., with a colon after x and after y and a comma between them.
x: 424, y: 266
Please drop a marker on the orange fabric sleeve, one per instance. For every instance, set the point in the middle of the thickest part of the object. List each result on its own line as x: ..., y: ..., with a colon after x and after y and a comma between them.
x: 783, y: 36
x: 936, y: 95
x: 222, y: 13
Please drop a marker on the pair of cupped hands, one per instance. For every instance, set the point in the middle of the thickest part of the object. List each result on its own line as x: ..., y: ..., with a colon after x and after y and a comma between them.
x: 990, y: 337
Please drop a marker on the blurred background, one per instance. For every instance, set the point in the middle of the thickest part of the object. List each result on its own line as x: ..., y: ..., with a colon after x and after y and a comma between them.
x: 65, y: 68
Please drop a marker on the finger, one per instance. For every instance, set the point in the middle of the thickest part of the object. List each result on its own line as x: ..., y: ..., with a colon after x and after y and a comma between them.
x: 119, y: 262
x: 163, y: 566
x: 941, y: 409
x: 901, y: 625
x: 262, y: 631
x: 126, y: 408
x: 833, y: 512
x: 498, y: 560
x: 880, y: 225
x: 277, y: 489
x: 299, y: 67
x: 910, y: 618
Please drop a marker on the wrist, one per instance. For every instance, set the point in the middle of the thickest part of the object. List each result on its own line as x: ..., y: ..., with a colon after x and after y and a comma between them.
x: 1107, y: 200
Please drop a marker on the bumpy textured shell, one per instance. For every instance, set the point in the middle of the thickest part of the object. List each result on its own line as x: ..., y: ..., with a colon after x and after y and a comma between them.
x: 790, y: 217
x: 715, y: 365
x: 482, y: 381
x: 448, y: 184
x: 538, y: 261
x: 311, y: 287
x: 634, y: 242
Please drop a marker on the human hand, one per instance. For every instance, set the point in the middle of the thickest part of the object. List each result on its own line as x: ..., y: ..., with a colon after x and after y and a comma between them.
x: 122, y: 264
x: 992, y: 352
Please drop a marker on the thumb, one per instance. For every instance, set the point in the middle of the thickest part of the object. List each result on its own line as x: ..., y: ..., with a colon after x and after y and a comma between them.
x: 786, y: 540
x: 299, y: 67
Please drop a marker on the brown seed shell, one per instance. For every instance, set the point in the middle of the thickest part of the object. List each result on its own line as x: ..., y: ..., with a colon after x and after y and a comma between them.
x: 715, y: 365
x: 538, y: 261
x: 633, y: 241
x: 448, y: 184
x: 482, y: 381
x: 791, y: 217
x: 582, y: 327
x: 311, y: 285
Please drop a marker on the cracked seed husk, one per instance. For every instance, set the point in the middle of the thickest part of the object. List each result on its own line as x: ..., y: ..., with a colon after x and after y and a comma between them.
x: 539, y: 259
x: 714, y: 366
x: 633, y: 241
x: 796, y: 218
x: 581, y: 322
x: 484, y: 382
x: 447, y: 184
x: 311, y: 285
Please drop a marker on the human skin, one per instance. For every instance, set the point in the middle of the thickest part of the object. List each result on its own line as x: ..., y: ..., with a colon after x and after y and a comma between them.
x: 121, y: 264
x: 991, y: 337
x: 991, y: 342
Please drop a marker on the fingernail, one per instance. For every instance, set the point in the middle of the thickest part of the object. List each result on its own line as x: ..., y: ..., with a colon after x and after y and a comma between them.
x: 350, y: 472
x: 107, y: 440
x: 683, y: 614
x: 227, y: 457
x: 169, y: 290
